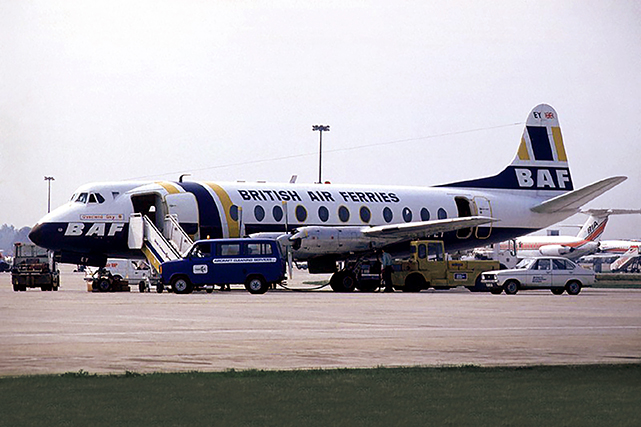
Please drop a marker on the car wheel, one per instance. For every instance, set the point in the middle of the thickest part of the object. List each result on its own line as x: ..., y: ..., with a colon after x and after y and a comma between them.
x: 181, y: 285
x: 511, y: 287
x: 557, y: 291
x: 256, y: 285
x: 573, y: 287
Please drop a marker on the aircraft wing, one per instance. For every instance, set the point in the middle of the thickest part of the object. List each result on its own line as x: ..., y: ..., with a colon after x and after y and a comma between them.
x: 418, y: 230
x: 575, y: 199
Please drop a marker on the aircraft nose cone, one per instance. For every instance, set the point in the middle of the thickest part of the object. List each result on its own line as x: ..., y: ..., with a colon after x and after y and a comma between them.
x: 36, y: 235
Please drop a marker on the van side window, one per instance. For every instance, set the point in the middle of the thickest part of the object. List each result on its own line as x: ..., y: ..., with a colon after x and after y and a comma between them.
x: 202, y: 250
x: 228, y: 249
x: 259, y: 249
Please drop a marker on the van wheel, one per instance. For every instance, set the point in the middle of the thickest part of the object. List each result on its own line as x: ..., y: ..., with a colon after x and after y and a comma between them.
x: 573, y: 288
x: 181, y: 285
x: 557, y: 291
x: 511, y: 287
x: 256, y: 285
x: 103, y: 285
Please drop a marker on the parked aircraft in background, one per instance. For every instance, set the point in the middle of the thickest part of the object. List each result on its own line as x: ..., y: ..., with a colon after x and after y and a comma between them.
x: 327, y: 223
x: 586, y: 242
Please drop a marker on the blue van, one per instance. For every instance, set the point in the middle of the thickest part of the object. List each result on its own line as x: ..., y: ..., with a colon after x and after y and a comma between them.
x: 255, y: 262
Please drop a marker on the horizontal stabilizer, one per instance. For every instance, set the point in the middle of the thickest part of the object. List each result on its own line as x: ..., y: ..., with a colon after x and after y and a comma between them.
x: 606, y: 212
x: 427, y: 228
x: 575, y: 199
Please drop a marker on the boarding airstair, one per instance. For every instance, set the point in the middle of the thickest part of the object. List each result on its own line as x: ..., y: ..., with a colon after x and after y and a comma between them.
x: 170, y: 244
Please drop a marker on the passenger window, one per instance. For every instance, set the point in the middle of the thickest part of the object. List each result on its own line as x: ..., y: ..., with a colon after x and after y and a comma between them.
x: 323, y: 213
x: 259, y: 213
x: 343, y: 214
x: 421, y: 251
x: 233, y: 212
x: 301, y: 213
x: 277, y: 213
x: 388, y: 215
x: 442, y: 214
x: 407, y: 214
x: 558, y: 264
x: 228, y: 249
x: 259, y: 249
x: 544, y: 264
x: 365, y: 214
x: 425, y: 214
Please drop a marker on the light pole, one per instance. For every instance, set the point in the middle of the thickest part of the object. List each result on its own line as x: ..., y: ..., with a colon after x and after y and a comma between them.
x: 49, y: 179
x: 320, y: 128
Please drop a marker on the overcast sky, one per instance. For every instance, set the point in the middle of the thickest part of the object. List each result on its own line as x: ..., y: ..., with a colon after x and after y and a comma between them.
x: 415, y: 93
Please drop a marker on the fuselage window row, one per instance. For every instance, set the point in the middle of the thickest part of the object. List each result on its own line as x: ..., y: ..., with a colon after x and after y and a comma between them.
x: 344, y: 215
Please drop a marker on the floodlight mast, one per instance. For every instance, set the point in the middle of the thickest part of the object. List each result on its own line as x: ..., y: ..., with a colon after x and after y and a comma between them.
x: 320, y: 129
x: 49, y: 179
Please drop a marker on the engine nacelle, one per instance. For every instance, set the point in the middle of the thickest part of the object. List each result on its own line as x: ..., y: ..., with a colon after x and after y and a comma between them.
x: 555, y: 250
x: 316, y: 241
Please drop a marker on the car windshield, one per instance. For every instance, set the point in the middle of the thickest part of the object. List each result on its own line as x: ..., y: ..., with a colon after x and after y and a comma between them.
x: 525, y: 263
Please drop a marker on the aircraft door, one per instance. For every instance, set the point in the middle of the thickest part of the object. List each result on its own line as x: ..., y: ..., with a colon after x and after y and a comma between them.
x: 464, y: 207
x: 483, y: 208
x: 150, y: 205
x: 185, y: 207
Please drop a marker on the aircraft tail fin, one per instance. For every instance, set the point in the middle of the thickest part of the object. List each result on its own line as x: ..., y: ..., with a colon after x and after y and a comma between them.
x: 596, y: 222
x: 540, y: 163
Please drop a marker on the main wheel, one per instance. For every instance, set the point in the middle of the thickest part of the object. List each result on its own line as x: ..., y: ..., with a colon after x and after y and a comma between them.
x: 256, y: 285
x: 557, y: 291
x: 343, y: 281
x: 181, y: 285
x: 573, y: 288
x: 511, y: 287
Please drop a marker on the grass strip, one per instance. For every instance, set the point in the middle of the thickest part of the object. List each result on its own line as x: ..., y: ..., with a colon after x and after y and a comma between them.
x: 543, y: 395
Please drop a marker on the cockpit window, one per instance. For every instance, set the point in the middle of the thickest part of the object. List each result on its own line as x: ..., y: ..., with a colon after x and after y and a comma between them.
x: 87, y: 198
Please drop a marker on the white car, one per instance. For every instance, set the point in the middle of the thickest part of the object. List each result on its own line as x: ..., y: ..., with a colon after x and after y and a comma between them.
x: 555, y: 273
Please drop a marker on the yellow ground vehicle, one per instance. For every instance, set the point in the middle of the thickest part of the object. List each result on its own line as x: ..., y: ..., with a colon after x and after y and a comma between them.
x: 428, y: 267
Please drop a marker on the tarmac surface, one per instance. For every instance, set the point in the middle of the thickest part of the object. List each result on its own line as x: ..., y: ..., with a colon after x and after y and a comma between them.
x: 72, y: 329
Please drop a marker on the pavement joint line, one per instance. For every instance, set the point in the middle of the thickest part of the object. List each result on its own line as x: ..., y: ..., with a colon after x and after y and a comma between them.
x: 368, y: 329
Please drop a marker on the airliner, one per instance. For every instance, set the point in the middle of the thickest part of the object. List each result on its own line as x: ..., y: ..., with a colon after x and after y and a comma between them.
x: 332, y: 225
x: 586, y: 242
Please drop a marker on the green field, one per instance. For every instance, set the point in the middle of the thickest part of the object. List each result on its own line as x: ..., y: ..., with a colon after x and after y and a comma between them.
x: 571, y: 395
